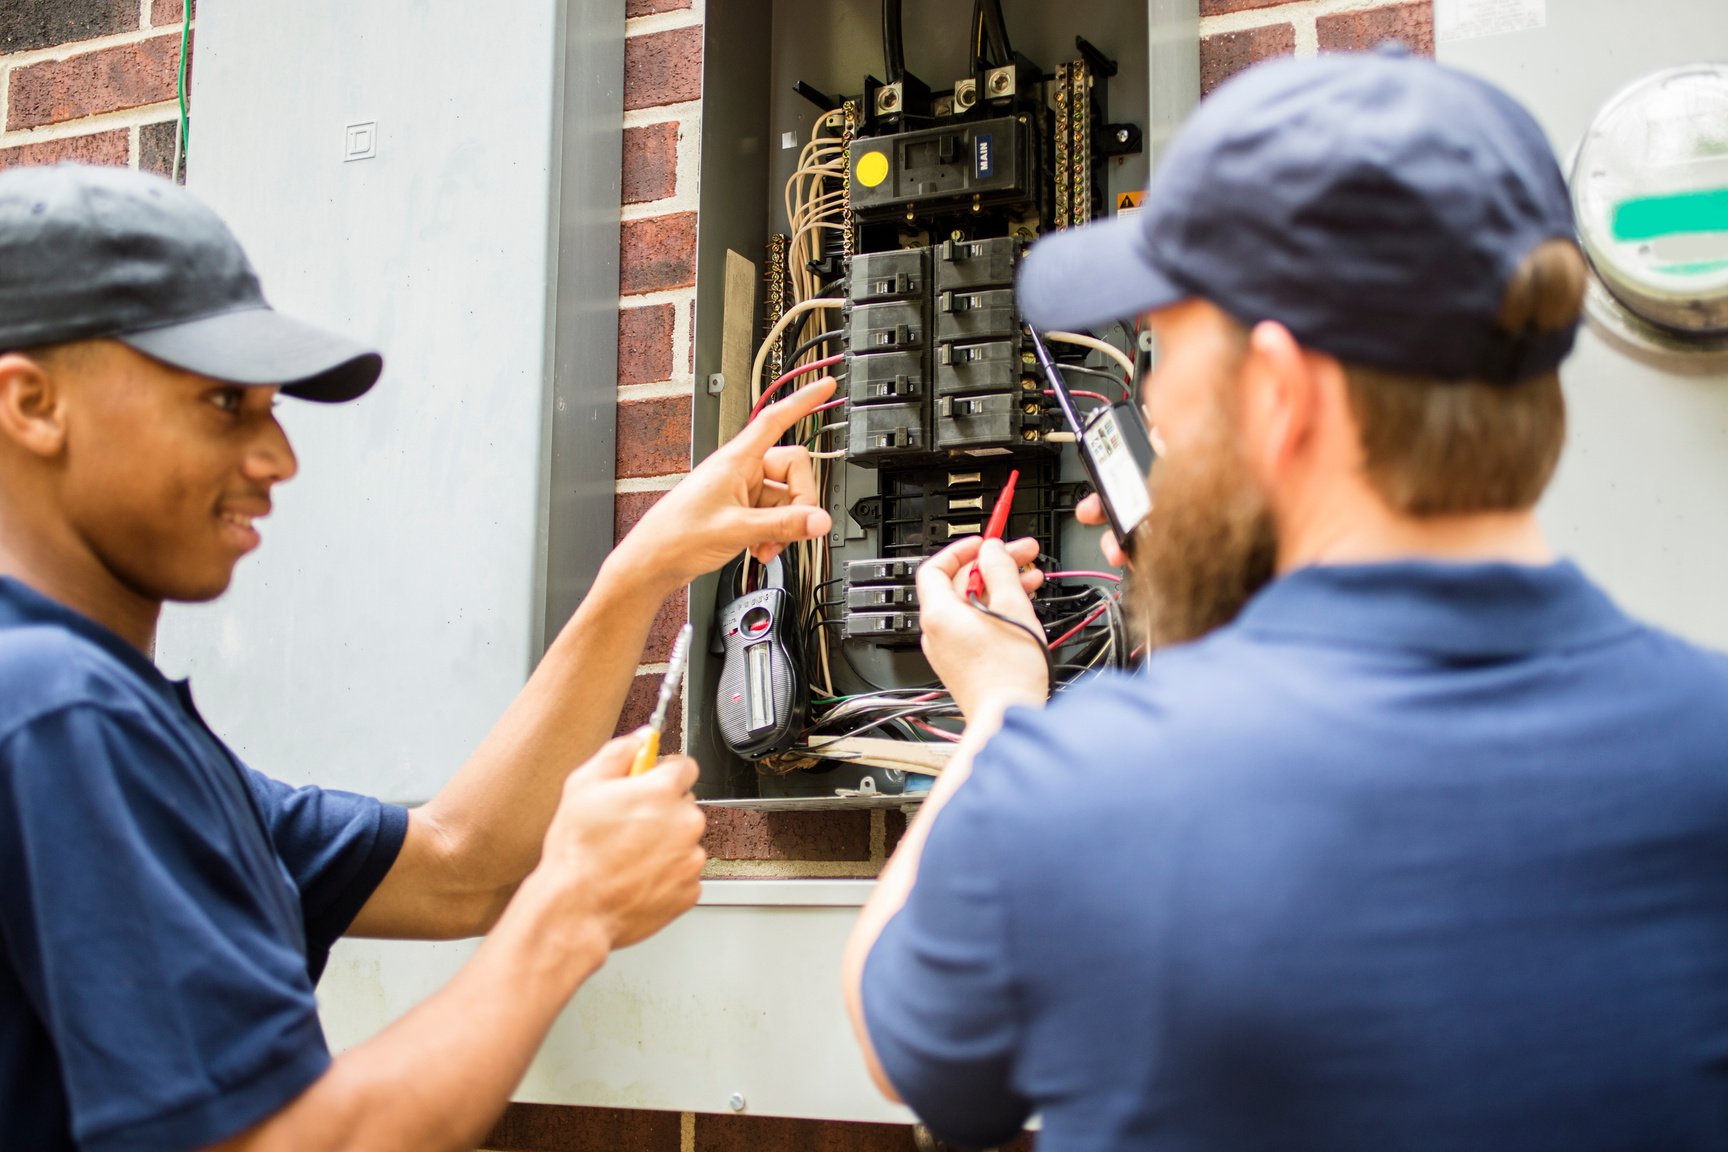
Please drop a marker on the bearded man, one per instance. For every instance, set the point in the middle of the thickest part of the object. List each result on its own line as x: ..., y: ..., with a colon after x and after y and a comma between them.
x: 1405, y: 837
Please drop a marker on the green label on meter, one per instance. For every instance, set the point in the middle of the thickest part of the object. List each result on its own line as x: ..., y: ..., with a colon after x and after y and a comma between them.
x: 1649, y: 217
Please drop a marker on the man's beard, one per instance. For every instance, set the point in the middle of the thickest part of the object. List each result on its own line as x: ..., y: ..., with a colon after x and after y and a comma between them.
x: 1208, y: 546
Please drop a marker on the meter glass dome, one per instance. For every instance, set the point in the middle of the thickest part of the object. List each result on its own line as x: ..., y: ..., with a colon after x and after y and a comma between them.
x: 1650, y: 186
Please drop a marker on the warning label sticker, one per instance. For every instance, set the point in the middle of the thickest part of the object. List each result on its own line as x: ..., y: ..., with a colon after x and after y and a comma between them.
x: 1471, y: 19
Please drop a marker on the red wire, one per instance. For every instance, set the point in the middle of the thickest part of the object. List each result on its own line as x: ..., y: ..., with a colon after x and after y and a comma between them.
x: 935, y: 731
x: 1075, y: 631
x: 801, y: 370
x: 1082, y: 392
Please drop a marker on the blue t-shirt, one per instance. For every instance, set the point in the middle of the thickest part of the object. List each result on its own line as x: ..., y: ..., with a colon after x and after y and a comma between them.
x: 164, y: 911
x: 1412, y: 856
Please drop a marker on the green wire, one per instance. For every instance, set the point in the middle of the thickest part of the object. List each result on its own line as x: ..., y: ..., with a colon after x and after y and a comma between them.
x: 185, y: 38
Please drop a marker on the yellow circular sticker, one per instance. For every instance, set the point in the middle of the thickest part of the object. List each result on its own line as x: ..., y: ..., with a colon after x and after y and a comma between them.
x: 872, y: 169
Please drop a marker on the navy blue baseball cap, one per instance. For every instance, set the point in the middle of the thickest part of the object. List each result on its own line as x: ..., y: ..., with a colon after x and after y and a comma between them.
x: 105, y: 253
x: 1375, y: 204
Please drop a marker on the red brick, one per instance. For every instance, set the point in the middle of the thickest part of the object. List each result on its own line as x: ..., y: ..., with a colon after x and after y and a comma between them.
x: 649, y: 7
x: 1410, y: 24
x: 774, y: 1134
x: 156, y: 144
x: 1222, y: 7
x: 657, y: 253
x: 662, y: 68
x: 111, y: 148
x: 645, y: 344
x: 749, y: 834
x: 664, y: 632
x: 639, y: 706
x: 550, y: 1128
x: 1227, y: 53
x: 106, y: 80
x: 171, y: 11
x: 32, y: 24
x: 896, y: 825
x: 654, y: 437
x: 650, y: 163
x: 628, y: 508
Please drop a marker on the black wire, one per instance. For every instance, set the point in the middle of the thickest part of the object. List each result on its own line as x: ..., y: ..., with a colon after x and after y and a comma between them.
x: 893, y: 42
x: 1043, y: 647
x: 998, y: 29
x: 975, y: 35
x: 870, y: 727
x: 1113, y: 377
x: 791, y: 358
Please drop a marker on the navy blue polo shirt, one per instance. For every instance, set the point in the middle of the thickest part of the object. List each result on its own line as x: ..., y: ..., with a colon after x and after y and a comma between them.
x: 1412, y: 856
x: 164, y: 911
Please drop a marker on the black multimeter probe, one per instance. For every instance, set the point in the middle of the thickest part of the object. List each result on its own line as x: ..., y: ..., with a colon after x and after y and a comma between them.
x: 1114, y: 446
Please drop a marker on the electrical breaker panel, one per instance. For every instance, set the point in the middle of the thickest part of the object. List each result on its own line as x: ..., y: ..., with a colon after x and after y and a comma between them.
x: 907, y: 215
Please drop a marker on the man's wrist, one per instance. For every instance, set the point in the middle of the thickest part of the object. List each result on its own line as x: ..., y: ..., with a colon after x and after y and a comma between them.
x: 986, y: 715
x: 629, y: 571
x: 557, y: 936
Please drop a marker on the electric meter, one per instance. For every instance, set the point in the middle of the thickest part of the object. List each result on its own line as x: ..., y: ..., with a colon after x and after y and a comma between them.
x: 1650, y: 187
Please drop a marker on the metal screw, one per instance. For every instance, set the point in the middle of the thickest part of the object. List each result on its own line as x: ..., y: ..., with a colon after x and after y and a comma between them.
x: 735, y: 1102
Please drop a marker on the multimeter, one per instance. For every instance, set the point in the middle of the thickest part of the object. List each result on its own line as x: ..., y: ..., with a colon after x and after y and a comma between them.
x: 1114, y: 446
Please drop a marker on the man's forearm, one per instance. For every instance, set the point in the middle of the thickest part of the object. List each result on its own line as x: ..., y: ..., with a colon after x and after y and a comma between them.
x: 497, y: 807
x: 438, y: 1078
x: 901, y: 872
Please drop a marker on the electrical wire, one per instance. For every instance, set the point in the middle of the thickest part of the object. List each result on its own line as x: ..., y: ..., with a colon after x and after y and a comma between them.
x: 1080, y: 627
x: 1081, y: 340
x: 998, y: 30
x: 182, y: 140
x: 787, y: 378
x: 1081, y: 392
x: 1043, y: 648
x: 774, y: 334
x: 814, y: 342
x: 893, y: 42
x: 1114, y: 378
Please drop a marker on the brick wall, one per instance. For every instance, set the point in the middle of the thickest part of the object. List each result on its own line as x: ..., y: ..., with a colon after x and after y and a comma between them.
x: 1237, y: 33
x: 90, y: 80
x: 94, y: 80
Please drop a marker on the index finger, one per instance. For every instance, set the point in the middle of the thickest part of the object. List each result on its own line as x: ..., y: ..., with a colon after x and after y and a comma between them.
x: 771, y: 423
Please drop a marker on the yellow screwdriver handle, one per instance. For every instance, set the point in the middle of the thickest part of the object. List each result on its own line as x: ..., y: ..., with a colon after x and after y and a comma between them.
x: 646, y: 754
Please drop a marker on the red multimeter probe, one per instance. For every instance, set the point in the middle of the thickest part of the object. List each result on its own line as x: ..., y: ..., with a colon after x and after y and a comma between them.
x: 993, y: 531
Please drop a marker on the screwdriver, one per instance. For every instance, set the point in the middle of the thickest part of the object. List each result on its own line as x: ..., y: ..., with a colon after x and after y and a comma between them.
x: 993, y: 531
x: 650, y: 749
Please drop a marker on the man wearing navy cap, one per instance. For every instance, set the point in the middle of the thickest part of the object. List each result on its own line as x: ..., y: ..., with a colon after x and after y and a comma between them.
x: 164, y: 911
x: 1406, y: 837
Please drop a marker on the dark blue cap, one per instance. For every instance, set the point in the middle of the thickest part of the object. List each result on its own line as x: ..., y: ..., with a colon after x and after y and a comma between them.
x: 1375, y: 204
x: 105, y: 253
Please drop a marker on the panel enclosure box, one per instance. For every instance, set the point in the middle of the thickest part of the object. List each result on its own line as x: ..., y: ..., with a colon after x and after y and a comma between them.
x: 929, y: 374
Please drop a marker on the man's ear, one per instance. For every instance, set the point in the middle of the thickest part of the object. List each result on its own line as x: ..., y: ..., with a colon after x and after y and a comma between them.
x: 32, y: 405
x: 1279, y: 400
